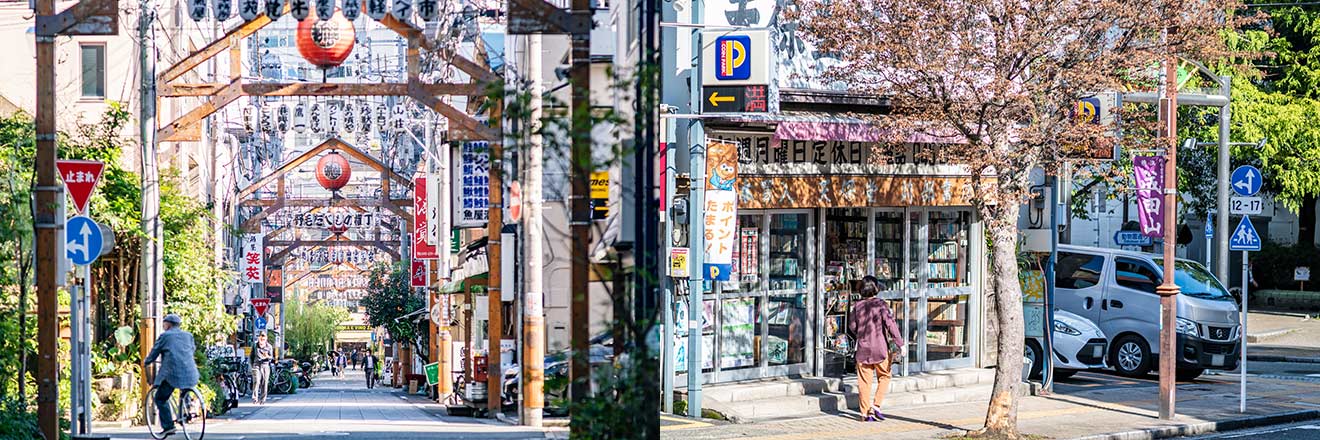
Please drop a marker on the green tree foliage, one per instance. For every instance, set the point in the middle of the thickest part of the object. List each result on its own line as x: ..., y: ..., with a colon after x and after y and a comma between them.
x: 389, y: 297
x: 310, y: 328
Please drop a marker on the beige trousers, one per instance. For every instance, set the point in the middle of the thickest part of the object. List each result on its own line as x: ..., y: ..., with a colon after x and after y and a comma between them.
x: 872, y: 376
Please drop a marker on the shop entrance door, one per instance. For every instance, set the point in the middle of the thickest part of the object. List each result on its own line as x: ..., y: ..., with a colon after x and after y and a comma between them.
x: 940, y: 287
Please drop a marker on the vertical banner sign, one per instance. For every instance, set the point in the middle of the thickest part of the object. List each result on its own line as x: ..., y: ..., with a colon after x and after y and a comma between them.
x: 472, y: 186
x: 418, y: 272
x: 300, y: 113
x: 317, y: 120
x: 275, y: 284
x: 433, y: 210
x: 253, y: 259
x: 421, y: 222
x: 721, y: 219
x: 1148, y: 172
x: 282, y: 119
x: 350, y: 118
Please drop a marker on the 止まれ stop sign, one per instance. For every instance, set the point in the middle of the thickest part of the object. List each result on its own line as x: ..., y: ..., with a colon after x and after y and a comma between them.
x: 80, y: 178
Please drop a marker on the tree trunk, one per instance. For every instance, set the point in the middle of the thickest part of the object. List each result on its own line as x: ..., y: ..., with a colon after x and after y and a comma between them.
x: 1306, y: 222
x: 1001, y: 417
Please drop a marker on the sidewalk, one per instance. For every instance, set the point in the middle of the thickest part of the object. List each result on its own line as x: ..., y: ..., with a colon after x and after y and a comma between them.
x: 1092, y: 406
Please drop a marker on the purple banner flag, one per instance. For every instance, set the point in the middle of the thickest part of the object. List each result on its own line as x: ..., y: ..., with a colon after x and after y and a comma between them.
x: 1148, y: 173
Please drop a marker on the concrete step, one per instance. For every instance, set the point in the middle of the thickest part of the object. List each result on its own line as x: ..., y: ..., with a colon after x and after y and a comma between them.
x: 793, y: 407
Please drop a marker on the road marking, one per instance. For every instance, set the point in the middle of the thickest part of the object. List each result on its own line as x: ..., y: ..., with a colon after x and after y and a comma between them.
x: 684, y: 423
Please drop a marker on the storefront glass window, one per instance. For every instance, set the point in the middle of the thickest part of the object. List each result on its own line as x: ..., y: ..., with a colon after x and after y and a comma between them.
x: 845, y: 266
x: 788, y: 299
x: 948, y: 283
x: 747, y: 255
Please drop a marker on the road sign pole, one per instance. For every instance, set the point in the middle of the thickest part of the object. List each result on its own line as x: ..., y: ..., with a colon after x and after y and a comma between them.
x: 696, y: 224
x: 1242, y: 335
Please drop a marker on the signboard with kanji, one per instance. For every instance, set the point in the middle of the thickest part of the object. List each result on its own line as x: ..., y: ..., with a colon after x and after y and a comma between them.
x: 423, y: 219
x: 253, y: 259
x: 472, y: 185
x: 721, y: 219
x: 735, y: 99
x: 418, y: 273
x: 80, y: 178
x: 275, y: 284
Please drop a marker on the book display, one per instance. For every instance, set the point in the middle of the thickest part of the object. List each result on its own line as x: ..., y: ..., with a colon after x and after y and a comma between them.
x: 947, y: 269
x: 845, y: 266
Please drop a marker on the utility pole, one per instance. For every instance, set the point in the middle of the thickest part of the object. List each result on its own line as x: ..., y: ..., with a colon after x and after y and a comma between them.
x: 1221, y: 219
x: 47, y: 225
x: 697, y: 224
x: 580, y: 224
x: 150, y: 274
x: 533, y: 308
x: 1168, y: 290
x: 495, y: 226
x: 648, y: 269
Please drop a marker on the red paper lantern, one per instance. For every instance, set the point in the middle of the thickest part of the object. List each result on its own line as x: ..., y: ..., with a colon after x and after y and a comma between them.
x: 332, y: 171
x: 326, y: 43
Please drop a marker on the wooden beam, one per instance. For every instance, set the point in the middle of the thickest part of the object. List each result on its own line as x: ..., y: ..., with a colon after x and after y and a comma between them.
x: 319, y: 89
x: 456, y: 117
x: 197, y: 58
x: 221, y: 98
x: 332, y: 143
x: 408, y: 31
x: 322, y: 203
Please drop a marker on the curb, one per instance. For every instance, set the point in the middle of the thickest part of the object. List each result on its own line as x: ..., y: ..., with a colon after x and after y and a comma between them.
x: 1207, y: 427
x: 1289, y: 359
x: 1271, y: 335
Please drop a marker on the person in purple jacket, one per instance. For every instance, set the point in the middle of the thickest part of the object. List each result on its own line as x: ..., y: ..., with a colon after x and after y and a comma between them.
x: 876, y: 330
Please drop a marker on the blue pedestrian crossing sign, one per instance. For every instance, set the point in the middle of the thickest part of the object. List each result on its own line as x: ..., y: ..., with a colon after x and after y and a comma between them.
x: 1244, y: 238
x: 1246, y: 180
x: 82, y: 240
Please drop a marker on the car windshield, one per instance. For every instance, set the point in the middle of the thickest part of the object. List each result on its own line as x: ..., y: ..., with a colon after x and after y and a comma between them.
x: 1196, y: 282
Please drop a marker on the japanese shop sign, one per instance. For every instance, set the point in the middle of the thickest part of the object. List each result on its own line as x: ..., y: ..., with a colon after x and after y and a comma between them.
x: 600, y: 195
x: 736, y: 99
x: 678, y: 262
x: 275, y: 284
x: 423, y: 221
x: 472, y: 185
x: 253, y: 259
x: 320, y: 219
x: 721, y: 219
x: 740, y: 58
x: 418, y: 273
x: 1148, y: 172
x: 796, y: 61
x: 764, y: 154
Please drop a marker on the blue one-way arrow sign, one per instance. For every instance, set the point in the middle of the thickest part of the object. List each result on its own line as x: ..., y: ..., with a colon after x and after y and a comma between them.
x: 82, y: 240
x: 1244, y: 238
x: 1246, y: 180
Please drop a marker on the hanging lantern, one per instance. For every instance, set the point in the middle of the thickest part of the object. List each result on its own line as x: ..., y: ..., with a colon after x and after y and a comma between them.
x: 332, y: 119
x: 267, y: 123
x: 350, y: 117
x: 300, y: 117
x: 299, y: 9
x: 249, y: 9
x: 274, y: 9
x: 249, y: 120
x: 332, y: 171
x: 376, y: 9
x: 197, y: 9
x: 352, y: 8
x: 223, y: 9
x: 364, y: 118
x: 317, y: 118
x: 402, y: 10
x: 324, y: 9
x: 326, y: 43
x: 282, y: 119
x: 427, y: 9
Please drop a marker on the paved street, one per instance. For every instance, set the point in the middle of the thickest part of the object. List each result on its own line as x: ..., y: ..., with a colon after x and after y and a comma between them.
x: 340, y: 408
x: 1293, y: 431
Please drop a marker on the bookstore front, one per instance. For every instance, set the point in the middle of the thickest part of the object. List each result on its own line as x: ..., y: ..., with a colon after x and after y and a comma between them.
x: 804, y: 242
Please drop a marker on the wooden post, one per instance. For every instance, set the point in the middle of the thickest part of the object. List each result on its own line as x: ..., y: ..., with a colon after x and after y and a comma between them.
x: 47, y: 227
x: 580, y: 226
x: 494, y: 225
x: 1168, y: 291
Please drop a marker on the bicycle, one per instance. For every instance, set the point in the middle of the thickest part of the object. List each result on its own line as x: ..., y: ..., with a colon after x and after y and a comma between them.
x: 189, y: 411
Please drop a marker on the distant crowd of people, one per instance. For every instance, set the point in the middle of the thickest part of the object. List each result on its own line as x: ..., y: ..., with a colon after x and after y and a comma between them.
x: 357, y: 360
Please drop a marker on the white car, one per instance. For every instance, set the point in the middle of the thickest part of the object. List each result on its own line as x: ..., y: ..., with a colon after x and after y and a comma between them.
x: 1078, y: 345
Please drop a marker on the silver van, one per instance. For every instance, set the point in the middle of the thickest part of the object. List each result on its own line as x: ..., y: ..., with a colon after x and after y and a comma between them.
x: 1115, y: 289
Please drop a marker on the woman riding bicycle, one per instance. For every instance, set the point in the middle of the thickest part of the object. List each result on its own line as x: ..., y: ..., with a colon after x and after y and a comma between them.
x: 178, y: 369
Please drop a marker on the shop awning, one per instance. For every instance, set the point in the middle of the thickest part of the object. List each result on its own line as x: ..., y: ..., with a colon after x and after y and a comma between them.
x: 849, y: 127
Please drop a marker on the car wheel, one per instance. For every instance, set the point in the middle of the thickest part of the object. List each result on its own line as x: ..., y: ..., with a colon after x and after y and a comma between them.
x: 1189, y: 374
x: 1131, y: 356
x: 1034, y: 352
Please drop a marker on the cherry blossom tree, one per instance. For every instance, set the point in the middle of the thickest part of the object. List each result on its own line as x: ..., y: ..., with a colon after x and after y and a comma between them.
x: 999, y: 81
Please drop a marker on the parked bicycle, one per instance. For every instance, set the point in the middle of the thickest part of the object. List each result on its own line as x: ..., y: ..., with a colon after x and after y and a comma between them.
x: 188, y: 409
x: 283, y: 380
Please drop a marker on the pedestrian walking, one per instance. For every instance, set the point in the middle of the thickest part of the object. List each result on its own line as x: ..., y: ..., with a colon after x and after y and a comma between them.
x: 879, y: 345
x: 262, y: 354
x: 369, y: 364
x: 355, y: 359
x: 341, y: 363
